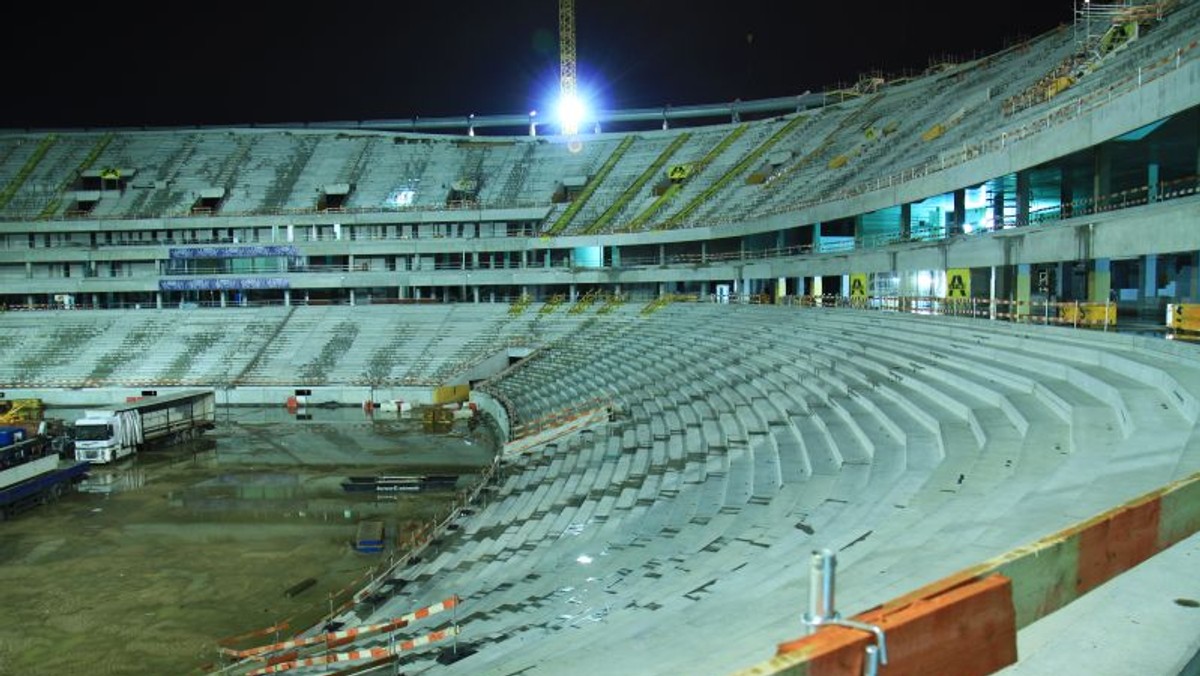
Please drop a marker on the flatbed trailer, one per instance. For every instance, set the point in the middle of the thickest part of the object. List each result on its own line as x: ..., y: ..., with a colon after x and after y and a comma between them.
x: 41, y: 488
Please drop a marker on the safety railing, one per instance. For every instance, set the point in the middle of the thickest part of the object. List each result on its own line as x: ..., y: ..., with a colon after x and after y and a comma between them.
x: 967, y: 622
x: 1075, y: 313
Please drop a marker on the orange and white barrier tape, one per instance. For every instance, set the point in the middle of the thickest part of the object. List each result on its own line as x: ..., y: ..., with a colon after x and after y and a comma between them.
x: 345, y: 634
x: 355, y: 655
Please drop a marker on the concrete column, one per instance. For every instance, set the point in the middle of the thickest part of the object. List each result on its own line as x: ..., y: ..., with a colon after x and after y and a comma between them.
x: 662, y: 254
x: 352, y: 297
x: 998, y: 208
x: 1024, y: 284
x: 1024, y: 197
x: 350, y: 263
x: 1101, y: 174
x: 992, y: 293
x: 95, y: 300
x: 1066, y: 193
x: 474, y: 260
x: 905, y: 221
x: 1100, y: 280
x: 816, y: 287
x: 960, y: 211
x: 1060, y: 280
x: 704, y: 290
x: 845, y: 286
x: 1193, y: 287
x: 287, y: 297
x: 574, y: 294
x: 547, y: 260
x: 1152, y: 182
x: 616, y: 256
x: 158, y: 299
x: 475, y: 293
x: 816, y: 237
x: 29, y: 301
x: 704, y: 251
x: 524, y: 259
x: 1150, y: 276
x: 224, y: 297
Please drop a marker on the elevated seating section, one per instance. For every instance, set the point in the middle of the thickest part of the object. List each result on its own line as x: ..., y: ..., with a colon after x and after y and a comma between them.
x: 746, y: 436
x: 885, y: 130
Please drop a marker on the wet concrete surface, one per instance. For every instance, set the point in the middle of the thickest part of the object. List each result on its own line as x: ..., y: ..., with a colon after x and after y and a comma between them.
x: 165, y: 553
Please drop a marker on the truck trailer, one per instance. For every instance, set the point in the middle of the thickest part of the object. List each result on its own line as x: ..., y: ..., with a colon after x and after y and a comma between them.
x: 107, y: 435
x: 31, y: 472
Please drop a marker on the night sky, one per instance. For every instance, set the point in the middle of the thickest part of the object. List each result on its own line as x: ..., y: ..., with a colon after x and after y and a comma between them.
x: 166, y: 64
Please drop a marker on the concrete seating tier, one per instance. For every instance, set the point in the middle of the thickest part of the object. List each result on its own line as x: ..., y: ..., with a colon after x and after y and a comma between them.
x: 676, y: 535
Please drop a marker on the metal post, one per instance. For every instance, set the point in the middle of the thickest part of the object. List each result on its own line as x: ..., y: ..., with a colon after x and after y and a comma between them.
x: 820, y: 589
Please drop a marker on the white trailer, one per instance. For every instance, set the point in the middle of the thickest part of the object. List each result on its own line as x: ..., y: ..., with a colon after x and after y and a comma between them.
x: 108, y: 435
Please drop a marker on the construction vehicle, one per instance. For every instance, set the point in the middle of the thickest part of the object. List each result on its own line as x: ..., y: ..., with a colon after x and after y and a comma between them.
x: 31, y: 471
x: 103, y: 436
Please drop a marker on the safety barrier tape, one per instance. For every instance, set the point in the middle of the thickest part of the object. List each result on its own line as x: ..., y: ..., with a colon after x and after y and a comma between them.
x: 255, y: 634
x: 355, y: 632
x: 355, y: 655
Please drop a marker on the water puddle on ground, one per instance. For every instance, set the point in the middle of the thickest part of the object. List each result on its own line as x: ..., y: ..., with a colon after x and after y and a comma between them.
x: 164, y: 553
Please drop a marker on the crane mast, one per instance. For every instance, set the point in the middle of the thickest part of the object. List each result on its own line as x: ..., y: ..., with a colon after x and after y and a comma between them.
x: 566, y: 59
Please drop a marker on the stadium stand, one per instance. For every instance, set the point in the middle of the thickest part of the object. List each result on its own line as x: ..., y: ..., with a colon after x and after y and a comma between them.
x: 721, y: 359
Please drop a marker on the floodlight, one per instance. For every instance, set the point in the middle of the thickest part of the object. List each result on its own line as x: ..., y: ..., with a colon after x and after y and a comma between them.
x: 571, y: 112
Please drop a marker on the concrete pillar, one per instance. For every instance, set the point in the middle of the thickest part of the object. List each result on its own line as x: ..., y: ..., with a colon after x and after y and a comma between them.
x: 815, y: 287
x: 816, y: 237
x: 704, y: 290
x: 905, y: 221
x: 662, y: 254
x: 1060, y: 280
x: 1066, y: 193
x: 95, y: 300
x: 475, y: 293
x: 524, y: 259
x: 960, y: 211
x: 1152, y: 180
x: 287, y: 297
x: 845, y: 286
x: 474, y: 260
x: 224, y: 297
x: 998, y: 207
x: 992, y: 293
x: 1150, y: 276
x: 547, y: 259
x: 352, y: 299
x: 662, y: 288
x: 1024, y: 284
x: 29, y: 300
x: 574, y: 294
x: 1101, y: 175
x: 616, y: 256
x: 1099, y: 280
x: 1024, y: 197
x: 158, y: 299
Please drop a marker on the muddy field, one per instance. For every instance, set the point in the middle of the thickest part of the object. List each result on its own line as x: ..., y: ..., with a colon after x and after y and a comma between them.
x: 164, y: 554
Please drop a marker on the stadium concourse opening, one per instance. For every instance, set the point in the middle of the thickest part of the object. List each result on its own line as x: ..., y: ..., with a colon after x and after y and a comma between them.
x: 917, y: 321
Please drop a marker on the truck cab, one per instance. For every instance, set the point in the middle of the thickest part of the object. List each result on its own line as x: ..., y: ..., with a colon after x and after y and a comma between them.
x: 105, y: 436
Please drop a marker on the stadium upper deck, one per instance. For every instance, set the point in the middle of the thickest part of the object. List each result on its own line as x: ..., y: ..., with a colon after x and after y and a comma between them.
x: 101, y: 215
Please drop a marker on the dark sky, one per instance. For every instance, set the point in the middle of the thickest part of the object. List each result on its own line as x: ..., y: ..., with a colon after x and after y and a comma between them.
x: 128, y: 63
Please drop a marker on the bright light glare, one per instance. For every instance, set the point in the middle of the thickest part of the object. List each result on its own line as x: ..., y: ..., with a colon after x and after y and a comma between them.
x: 571, y: 112
x: 584, y: 559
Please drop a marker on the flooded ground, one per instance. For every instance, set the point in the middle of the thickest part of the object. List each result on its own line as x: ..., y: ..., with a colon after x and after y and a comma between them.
x: 172, y: 550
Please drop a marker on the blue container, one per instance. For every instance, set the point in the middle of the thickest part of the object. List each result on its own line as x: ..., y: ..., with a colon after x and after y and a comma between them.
x: 11, y: 435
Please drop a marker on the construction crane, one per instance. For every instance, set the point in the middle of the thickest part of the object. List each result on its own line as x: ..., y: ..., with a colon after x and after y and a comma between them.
x: 570, y: 108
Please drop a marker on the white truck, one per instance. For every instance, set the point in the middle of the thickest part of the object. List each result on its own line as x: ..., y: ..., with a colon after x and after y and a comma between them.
x: 109, y: 435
